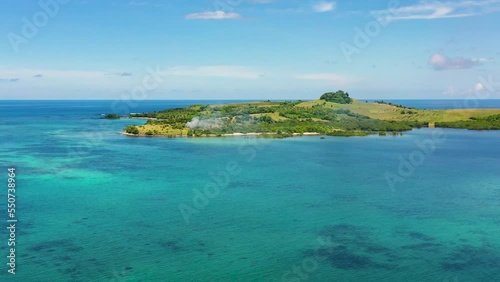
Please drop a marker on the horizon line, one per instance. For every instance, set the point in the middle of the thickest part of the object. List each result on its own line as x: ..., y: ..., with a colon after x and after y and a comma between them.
x: 256, y: 99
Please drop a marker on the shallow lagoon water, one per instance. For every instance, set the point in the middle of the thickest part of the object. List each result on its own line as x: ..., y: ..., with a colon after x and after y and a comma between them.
x: 94, y: 205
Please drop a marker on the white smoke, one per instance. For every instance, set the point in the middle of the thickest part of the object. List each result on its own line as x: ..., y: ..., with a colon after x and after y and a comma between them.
x: 201, y: 123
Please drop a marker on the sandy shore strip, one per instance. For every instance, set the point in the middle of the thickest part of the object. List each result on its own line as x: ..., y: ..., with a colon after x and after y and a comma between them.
x: 308, y: 133
x: 270, y: 133
x: 242, y: 134
x: 236, y: 134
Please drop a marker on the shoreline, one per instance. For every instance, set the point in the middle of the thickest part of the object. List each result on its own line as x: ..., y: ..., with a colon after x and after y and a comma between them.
x: 140, y: 118
x: 236, y: 134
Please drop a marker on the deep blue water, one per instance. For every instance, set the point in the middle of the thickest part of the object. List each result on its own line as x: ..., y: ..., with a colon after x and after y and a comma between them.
x: 98, y: 107
x: 92, y: 107
x: 94, y: 205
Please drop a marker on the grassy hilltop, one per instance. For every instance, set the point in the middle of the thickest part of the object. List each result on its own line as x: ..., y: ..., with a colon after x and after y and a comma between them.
x: 334, y: 113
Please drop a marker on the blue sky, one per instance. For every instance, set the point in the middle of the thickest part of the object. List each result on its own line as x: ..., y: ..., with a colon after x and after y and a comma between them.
x: 249, y: 49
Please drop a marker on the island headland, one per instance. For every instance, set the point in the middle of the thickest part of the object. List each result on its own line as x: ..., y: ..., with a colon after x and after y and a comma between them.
x: 334, y: 114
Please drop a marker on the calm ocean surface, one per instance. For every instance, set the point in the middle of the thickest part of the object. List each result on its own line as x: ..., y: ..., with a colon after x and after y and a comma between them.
x: 94, y: 205
x: 448, y: 104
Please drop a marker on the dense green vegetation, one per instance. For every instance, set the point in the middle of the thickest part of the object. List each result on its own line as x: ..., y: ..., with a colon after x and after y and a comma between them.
x: 392, y: 104
x: 132, y: 129
x: 486, y: 123
x: 111, y: 116
x: 339, y: 97
x: 280, y: 118
x: 345, y: 117
x: 346, y: 133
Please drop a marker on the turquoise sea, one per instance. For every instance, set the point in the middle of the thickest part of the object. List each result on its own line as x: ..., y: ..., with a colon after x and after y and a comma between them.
x: 94, y: 205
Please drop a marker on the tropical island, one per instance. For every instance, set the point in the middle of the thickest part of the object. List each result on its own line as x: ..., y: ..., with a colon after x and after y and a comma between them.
x: 334, y: 114
x: 111, y: 116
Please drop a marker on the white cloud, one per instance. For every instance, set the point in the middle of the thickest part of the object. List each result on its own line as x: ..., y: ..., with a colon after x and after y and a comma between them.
x: 213, y: 71
x: 477, y: 90
x: 323, y: 7
x: 479, y: 87
x: 215, y: 15
x: 429, y: 10
x: 332, y: 77
x: 441, y: 62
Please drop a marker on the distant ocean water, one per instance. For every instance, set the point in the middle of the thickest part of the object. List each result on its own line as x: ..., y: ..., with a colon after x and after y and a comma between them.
x: 76, y: 108
x: 94, y: 205
x: 448, y: 103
